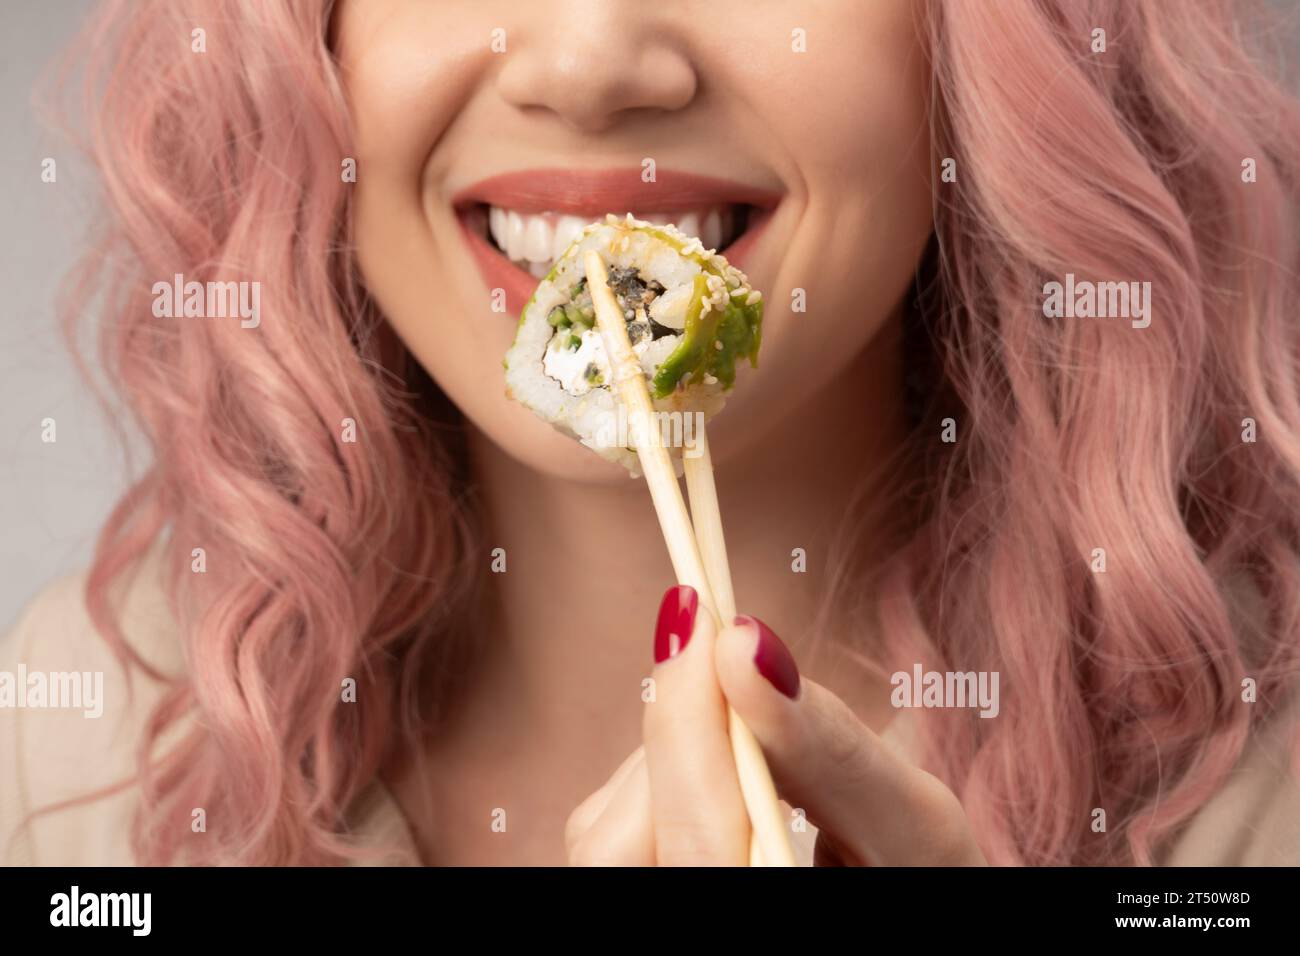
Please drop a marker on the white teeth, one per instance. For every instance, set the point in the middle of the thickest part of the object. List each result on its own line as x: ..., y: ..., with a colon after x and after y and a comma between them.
x: 534, y: 241
x: 537, y: 239
x: 566, y: 230
x: 711, y: 231
x: 515, y: 236
x: 689, y: 224
x: 497, y: 223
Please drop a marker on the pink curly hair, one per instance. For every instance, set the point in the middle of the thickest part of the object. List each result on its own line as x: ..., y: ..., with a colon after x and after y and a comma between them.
x: 329, y: 559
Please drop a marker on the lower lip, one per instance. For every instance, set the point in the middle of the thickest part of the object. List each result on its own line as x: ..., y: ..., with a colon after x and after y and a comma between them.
x: 519, y: 284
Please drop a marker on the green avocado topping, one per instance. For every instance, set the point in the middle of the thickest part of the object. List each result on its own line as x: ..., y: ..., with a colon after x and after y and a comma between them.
x: 739, y: 328
x: 711, y: 343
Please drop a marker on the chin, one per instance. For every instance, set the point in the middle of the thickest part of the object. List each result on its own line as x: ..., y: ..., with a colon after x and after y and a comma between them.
x: 539, y: 448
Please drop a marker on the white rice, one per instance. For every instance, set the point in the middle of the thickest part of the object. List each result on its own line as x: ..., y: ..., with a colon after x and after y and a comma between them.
x: 592, y: 417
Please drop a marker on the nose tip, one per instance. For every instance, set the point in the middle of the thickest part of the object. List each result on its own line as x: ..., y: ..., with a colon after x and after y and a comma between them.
x: 592, y: 83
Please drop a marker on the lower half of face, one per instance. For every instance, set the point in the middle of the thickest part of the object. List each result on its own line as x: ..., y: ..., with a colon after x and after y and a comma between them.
x: 792, y: 137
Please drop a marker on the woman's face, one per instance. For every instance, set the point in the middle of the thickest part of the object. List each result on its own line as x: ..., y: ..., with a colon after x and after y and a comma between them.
x: 795, y: 136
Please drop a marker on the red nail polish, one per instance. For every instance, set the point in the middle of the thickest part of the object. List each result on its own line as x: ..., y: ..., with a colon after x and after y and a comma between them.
x: 676, y: 621
x: 772, y: 658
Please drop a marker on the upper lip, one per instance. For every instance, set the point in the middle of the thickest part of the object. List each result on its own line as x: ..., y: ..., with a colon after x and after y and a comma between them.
x: 594, y: 192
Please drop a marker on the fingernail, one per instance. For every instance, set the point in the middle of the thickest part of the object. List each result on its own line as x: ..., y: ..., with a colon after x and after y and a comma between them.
x: 772, y: 658
x: 676, y: 621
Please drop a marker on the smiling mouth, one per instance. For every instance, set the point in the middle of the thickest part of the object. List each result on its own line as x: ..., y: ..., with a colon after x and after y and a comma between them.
x: 518, y: 224
x: 533, y: 241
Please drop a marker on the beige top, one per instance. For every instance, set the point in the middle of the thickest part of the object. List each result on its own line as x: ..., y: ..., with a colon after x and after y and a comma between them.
x: 51, y: 755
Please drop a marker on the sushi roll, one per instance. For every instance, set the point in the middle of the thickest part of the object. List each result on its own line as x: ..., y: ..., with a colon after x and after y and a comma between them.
x: 691, y: 318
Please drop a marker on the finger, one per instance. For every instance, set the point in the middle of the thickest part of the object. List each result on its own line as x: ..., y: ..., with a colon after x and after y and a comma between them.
x: 875, y: 805
x: 623, y: 833
x: 699, y: 814
x: 587, y: 812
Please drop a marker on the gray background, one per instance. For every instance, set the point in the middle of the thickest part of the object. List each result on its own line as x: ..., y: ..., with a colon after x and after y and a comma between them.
x: 53, y: 497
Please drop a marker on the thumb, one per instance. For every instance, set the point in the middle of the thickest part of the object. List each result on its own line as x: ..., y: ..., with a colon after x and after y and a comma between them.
x: 872, y: 803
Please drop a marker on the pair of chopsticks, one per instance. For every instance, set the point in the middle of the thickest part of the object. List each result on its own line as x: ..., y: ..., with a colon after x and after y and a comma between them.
x: 698, y: 553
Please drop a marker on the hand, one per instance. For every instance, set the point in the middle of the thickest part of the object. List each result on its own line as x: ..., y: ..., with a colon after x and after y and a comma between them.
x: 676, y: 799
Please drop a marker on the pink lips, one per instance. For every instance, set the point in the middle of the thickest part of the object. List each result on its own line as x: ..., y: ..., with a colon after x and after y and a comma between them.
x: 593, y: 193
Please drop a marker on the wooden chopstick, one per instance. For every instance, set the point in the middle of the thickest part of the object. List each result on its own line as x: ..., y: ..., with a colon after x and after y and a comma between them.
x: 670, y: 507
x: 769, y: 845
x: 768, y: 842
